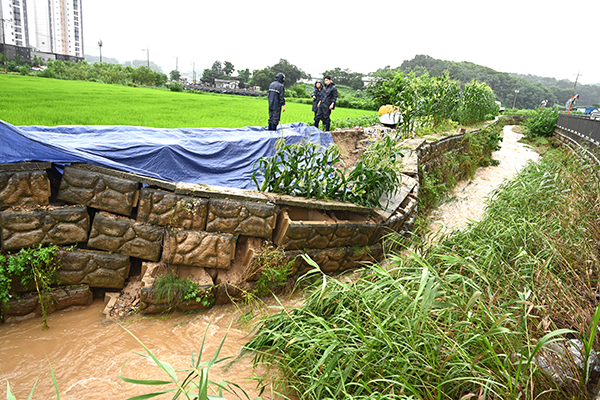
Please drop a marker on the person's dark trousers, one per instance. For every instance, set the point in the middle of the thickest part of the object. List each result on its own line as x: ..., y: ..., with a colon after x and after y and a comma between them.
x: 274, y: 117
x: 323, y: 114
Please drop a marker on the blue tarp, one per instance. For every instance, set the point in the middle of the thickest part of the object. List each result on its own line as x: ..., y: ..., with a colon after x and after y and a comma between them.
x: 211, y: 156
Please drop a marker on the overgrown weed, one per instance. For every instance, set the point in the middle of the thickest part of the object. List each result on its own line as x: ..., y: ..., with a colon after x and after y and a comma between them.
x: 467, y: 316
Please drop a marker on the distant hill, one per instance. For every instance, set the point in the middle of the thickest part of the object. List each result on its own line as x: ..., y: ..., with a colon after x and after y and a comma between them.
x: 532, y: 89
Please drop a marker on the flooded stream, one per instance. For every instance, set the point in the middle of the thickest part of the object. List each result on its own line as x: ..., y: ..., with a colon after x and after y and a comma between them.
x: 87, y: 353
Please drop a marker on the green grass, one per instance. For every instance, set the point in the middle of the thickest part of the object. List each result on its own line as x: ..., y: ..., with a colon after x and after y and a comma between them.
x: 30, y: 100
x: 465, y: 318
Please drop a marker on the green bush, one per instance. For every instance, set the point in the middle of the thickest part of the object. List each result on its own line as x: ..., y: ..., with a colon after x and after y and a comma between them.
x: 298, y: 91
x: 541, y: 123
x: 34, y: 266
x: 175, y: 87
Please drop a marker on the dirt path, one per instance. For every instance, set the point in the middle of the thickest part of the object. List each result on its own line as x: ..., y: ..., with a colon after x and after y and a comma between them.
x: 468, y: 199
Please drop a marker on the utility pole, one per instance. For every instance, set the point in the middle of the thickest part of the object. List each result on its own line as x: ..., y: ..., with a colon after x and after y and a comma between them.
x: 100, y: 45
x: 194, y: 71
x: 4, y: 46
x: 148, y: 55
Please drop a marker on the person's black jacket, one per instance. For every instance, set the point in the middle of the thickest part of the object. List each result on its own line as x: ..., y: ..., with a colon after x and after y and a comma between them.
x: 277, y: 92
x: 329, y: 95
x: 317, y: 95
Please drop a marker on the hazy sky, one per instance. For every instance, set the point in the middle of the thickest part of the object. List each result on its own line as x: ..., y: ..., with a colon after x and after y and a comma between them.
x: 545, y: 38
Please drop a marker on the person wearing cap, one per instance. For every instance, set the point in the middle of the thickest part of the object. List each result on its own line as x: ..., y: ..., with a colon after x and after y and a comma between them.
x: 328, y: 99
x: 276, y: 101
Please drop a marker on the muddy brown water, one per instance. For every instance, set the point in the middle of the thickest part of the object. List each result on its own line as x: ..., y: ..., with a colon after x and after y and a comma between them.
x: 87, y: 353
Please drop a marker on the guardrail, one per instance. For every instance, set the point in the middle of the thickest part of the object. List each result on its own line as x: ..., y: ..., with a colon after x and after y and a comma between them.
x: 581, y: 125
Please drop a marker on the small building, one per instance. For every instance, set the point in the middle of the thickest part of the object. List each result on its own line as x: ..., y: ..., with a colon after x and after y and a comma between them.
x: 227, y: 84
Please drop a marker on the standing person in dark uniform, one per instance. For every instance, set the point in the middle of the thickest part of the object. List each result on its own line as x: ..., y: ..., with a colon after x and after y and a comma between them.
x: 276, y: 101
x: 316, y: 95
x: 327, y: 103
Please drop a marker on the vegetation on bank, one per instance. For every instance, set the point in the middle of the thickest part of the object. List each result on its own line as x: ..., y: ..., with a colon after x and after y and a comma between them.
x: 466, y: 317
x: 531, y: 89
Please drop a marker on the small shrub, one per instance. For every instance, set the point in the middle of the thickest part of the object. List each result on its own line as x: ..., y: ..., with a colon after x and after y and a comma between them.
x: 32, y: 266
x: 541, y: 123
x: 175, y: 87
x: 273, y: 269
x: 171, y: 289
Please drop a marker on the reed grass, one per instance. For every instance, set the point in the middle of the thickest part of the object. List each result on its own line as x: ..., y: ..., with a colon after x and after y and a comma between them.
x: 30, y: 100
x: 464, y: 318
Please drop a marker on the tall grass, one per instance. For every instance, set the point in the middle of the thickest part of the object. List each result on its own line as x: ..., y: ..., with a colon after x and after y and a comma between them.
x: 464, y: 318
x: 39, y: 101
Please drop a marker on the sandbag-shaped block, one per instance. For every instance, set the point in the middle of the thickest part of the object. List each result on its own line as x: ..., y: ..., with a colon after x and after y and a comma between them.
x: 334, y: 259
x: 125, y: 236
x: 241, y: 217
x: 352, y: 229
x: 98, y: 190
x: 94, y: 268
x: 63, y: 297
x: 24, y: 184
x: 202, y: 249
x: 24, y: 228
x: 158, y: 207
x: 396, y: 222
x: 303, y: 228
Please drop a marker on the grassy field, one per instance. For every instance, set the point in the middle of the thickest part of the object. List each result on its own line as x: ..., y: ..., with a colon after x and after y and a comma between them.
x: 27, y: 100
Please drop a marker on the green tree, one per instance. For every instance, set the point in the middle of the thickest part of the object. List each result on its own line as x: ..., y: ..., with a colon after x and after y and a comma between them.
x: 262, y: 77
x: 228, y: 68
x: 174, y: 75
x: 292, y: 73
x: 346, y: 77
x: 243, y: 77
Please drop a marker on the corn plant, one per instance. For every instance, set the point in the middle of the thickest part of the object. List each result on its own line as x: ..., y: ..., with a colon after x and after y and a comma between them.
x: 476, y: 103
x: 307, y: 170
x: 302, y: 169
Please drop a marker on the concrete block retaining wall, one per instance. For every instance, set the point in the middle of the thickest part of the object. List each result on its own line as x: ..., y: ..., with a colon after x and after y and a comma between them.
x: 211, y: 233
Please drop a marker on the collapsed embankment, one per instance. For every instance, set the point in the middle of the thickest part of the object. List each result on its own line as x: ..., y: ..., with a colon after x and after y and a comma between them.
x: 125, y: 225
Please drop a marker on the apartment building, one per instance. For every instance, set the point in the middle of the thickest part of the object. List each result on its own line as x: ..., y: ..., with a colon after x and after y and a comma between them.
x: 14, y: 23
x: 50, y: 26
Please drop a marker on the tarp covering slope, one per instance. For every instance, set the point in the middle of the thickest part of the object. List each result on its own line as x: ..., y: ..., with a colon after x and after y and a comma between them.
x: 211, y: 156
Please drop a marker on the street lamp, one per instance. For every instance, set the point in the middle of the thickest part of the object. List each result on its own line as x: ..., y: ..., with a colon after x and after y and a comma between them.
x: 148, y: 55
x: 100, y: 45
x: 515, y: 100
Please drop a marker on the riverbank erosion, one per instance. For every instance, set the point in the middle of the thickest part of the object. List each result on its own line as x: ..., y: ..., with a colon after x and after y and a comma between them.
x: 129, y: 229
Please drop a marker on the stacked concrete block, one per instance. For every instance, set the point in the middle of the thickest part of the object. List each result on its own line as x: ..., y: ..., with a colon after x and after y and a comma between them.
x: 126, y: 236
x: 162, y: 208
x: 208, y: 234
x: 24, y: 184
x: 96, y: 190
x: 61, y: 225
x: 93, y: 268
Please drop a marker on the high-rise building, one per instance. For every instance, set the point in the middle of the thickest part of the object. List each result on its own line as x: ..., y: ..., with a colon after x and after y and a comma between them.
x: 13, y: 16
x: 51, y: 26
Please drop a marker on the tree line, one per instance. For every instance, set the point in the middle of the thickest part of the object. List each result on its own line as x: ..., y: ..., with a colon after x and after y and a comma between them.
x: 532, y: 90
